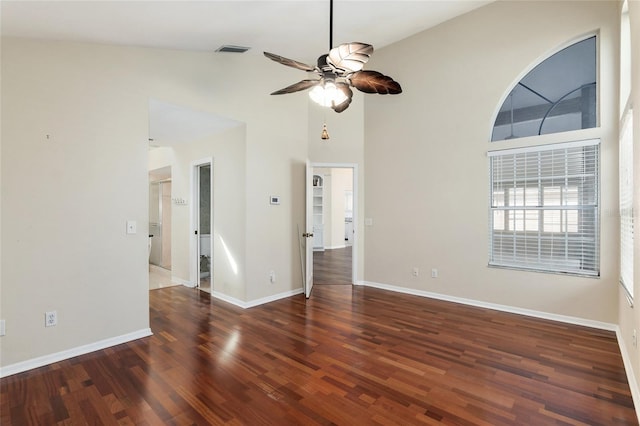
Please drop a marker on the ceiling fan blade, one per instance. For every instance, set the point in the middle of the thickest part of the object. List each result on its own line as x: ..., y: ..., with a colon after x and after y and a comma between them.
x: 289, y: 62
x: 344, y: 87
x: 296, y: 87
x: 350, y: 56
x: 375, y: 82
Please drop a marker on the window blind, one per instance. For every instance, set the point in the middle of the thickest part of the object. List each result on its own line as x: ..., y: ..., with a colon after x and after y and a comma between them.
x: 544, y: 208
x: 626, y: 203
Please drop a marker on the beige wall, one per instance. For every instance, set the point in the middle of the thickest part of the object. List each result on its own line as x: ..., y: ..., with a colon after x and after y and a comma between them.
x: 426, y: 155
x: 629, y: 317
x: 66, y: 199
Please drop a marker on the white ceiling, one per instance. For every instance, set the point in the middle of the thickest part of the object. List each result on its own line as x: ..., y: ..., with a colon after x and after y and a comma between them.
x: 297, y: 29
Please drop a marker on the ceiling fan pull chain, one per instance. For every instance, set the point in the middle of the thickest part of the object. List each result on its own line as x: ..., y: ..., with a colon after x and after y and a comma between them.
x: 330, y: 24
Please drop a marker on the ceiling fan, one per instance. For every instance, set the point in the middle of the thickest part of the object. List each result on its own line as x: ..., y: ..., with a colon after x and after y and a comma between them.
x: 338, y: 71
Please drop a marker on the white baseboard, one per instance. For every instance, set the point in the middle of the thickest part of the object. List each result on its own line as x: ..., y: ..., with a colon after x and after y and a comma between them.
x: 180, y: 281
x: 504, y: 308
x: 340, y: 246
x: 628, y: 368
x: 256, y: 302
x: 30, y: 364
x: 237, y: 302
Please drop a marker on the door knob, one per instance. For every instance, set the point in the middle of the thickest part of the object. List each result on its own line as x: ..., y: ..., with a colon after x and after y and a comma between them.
x: 308, y: 234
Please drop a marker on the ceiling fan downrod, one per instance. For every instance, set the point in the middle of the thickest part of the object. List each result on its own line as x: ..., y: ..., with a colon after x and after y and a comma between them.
x: 330, y: 25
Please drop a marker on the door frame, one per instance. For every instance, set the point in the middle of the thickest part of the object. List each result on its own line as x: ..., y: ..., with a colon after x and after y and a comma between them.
x: 194, y: 240
x: 356, y: 192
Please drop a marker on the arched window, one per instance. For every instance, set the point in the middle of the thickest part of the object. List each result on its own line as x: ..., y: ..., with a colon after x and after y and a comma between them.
x: 558, y: 95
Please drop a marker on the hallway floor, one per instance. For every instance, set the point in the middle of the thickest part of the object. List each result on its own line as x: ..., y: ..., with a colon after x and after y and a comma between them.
x: 331, y: 267
x: 159, y: 277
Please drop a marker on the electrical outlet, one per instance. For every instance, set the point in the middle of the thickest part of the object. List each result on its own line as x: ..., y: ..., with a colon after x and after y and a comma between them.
x: 272, y: 276
x: 434, y: 273
x: 50, y: 319
x: 416, y: 271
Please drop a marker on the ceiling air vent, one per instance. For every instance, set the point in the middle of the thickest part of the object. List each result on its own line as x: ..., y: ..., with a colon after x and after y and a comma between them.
x: 232, y: 49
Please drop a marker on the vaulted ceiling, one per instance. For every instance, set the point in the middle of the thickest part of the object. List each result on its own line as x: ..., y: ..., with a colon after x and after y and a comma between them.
x: 297, y: 29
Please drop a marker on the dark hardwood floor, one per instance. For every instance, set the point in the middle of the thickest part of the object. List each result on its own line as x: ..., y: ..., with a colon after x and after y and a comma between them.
x: 347, y: 356
x: 332, y: 267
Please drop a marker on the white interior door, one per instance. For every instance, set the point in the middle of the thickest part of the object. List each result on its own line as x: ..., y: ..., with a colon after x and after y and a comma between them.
x: 202, y: 224
x: 308, y: 233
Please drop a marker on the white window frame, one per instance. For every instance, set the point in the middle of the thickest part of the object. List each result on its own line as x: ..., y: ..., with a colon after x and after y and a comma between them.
x: 627, y: 226
x: 625, y: 152
x: 531, y: 246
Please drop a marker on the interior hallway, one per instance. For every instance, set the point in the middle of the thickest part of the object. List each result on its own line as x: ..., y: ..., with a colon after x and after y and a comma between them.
x: 332, y: 267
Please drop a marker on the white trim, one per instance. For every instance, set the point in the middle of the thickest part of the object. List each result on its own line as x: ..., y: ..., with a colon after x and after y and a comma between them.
x: 180, y: 281
x: 237, y: 302
x: 628, y: 368
x: 538, y: 148
x: 540, y: 59
x: 503, y: 308
x: 341, y: 246
x: 30, y: 364
x: 245, y: 305
x: 194, y: 240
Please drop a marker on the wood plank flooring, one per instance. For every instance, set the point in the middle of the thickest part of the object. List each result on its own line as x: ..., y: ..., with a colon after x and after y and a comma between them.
x: 348, y: 356
x: 332, y: 267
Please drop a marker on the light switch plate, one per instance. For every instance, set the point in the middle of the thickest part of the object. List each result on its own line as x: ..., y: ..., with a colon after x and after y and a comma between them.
x: 131, y: 227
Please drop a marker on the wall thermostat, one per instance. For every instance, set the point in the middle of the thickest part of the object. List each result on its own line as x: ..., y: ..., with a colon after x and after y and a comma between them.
x: 275, y: 199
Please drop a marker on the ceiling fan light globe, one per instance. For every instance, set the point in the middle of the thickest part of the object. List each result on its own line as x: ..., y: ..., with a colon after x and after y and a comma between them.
x: 327, y: 95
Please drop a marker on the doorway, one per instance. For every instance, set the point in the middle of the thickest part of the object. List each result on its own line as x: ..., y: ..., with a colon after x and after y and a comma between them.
x: 160, y: 228
x: 202, y: 254
x: 333, y: 189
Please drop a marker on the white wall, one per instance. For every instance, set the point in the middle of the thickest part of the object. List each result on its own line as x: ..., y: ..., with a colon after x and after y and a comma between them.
x: 341, y: 181
x: 426, y: 149
x: 66, y: 199
x: 335, y: 182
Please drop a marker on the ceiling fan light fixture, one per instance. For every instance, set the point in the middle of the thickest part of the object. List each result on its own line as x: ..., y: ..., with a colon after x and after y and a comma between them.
x: 343, y: 63
x: 327, y: 94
